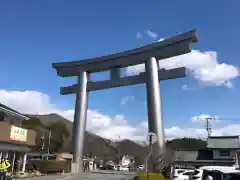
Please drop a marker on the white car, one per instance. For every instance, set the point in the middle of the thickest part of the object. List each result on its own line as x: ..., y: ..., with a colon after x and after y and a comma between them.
x: 224, y: 169
x: 123, y: 168
x: 196, y: 175
x: 141, y: 168
x: 178, y: 171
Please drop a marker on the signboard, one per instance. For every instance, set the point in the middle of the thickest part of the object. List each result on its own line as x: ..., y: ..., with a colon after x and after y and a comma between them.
x: 18, y: 134
x: 151, y: 138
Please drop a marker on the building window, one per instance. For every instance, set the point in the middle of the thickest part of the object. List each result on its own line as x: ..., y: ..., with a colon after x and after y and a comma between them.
x: 224, y: 153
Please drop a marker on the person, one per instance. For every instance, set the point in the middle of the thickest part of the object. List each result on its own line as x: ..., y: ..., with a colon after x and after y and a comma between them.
x: 4, y: 165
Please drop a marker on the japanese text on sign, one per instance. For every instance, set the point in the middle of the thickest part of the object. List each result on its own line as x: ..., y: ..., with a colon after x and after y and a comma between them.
x: 18, y: 134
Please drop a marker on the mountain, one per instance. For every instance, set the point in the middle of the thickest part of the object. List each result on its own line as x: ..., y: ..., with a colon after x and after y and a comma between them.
x: 94, y: 144
x: 142, y: 143
x: 107, y: 149
x: 47, y: 119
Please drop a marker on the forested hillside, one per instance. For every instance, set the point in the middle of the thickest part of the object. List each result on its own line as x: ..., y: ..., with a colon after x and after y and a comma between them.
x: 186, y: 143
x: 61, y: 135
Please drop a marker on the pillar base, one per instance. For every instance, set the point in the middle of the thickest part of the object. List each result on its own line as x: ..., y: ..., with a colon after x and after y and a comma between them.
x: 76, y: 168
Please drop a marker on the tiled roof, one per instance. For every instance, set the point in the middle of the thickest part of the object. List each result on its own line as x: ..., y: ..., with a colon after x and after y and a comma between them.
x: 9, y: 110
x: 224, y: 142
x: 223, y: 137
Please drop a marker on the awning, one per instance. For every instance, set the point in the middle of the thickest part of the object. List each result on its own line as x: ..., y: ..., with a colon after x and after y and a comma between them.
x: 6, y: 146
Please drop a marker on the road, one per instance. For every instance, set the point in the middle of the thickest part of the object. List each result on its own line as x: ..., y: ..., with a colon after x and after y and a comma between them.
x: 103, y: 175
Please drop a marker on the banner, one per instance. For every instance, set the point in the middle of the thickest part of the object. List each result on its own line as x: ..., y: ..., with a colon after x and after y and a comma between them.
x: 18, y: 134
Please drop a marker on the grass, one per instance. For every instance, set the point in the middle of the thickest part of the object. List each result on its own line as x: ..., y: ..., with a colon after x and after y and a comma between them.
x: 151, y: 176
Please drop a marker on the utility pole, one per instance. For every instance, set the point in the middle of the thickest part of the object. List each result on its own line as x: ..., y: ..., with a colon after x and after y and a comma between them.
x: 118, y: 150
x: 209, y: 126
x: 49, y: 141
x: 42, y: 146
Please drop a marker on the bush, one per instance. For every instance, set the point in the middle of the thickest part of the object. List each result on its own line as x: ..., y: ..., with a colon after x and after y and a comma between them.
x: 151, y: 176
x: 49, y: 166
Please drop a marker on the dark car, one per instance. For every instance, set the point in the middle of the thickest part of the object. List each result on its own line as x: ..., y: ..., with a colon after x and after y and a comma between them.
x: 107, y: 167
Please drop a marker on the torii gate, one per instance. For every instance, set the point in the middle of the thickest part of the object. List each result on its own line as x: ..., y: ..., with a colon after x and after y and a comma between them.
x: 149, y: 54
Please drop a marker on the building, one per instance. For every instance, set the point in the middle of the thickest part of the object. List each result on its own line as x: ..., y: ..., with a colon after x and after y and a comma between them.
x: 127, y: 160
x: 11, y: 116
x: 220, y: 150
x: 15, y: 141
x: 223, y: 147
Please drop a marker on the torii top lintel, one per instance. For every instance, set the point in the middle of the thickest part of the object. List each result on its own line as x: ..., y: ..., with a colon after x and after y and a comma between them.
x: 170, y: 47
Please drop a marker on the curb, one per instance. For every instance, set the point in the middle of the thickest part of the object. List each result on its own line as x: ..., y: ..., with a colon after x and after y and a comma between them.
x: 108, y: 172
x: 25, y: 176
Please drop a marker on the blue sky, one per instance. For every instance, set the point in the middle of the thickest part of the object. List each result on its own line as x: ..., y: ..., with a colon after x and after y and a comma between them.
x: 34, y: 34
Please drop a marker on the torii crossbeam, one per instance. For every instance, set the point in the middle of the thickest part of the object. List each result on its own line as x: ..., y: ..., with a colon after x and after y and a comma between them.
x: 149, y: 55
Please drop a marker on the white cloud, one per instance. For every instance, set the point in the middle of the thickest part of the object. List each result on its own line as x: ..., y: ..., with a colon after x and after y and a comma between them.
x: 179, y: 132
x: 151, y: 34
x: 139, y: 35
x: 126, y: 99
x: 34, y: 102
x: 161, y: 39
x: 203, y: 66
x: 186, y: 87
x: 228, y: 130
x: 203, y: 118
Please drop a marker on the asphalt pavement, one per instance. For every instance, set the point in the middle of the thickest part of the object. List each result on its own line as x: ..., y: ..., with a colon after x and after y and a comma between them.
x: 101, y: 175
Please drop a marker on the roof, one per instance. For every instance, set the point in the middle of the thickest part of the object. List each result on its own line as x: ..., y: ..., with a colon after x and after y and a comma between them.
x: 170, y: 47
x: 223, y: 137
x: 206, y: 162
x: 13, y: 112
x: 14, y: 146
x: 224, y: 142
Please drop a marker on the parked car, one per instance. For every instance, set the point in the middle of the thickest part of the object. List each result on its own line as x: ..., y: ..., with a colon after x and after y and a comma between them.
x: 132, y: 168
x: 178, y: 172
x: 107, y: 167
x: 141, y: 168
x: 196, y: 175
x: 123, y: 168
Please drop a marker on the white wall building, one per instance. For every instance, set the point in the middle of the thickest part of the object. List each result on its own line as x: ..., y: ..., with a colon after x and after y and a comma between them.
x: 126, y: 160
x: 224, y: 147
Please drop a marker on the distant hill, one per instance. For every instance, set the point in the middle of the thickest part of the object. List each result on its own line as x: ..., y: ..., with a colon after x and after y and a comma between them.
x: 106, y: 149
x: 94, y: 144
x: 186, y: 143
x: 50, y: 118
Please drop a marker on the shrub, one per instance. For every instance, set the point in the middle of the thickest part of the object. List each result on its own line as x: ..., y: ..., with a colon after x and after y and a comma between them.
x: 49, y: 166
x: 151, y: 176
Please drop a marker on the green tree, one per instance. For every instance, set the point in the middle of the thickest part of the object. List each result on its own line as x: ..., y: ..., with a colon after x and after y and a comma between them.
x: 33, y: 123
x: 36, y: 125
x: 58, y: 133
x: 186, y: 143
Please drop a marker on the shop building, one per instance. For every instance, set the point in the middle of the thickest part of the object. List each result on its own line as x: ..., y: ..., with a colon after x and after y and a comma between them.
x: 15, y: 141
x: 220, y: 151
